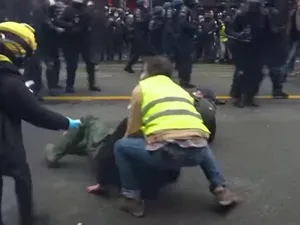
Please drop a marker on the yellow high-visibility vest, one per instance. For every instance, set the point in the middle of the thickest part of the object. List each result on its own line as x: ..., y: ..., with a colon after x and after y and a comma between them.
x: 223, y: 37
x: 167, y: 106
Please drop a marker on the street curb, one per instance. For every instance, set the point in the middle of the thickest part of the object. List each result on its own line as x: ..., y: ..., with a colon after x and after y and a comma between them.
x: 118, y: 98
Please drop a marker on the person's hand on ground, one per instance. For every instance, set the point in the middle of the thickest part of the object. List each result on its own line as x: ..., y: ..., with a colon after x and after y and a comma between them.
x: 97, y: 189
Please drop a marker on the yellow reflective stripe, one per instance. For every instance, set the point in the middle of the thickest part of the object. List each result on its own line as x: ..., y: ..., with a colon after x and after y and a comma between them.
x: 172, y: 112
x: 147, y: 107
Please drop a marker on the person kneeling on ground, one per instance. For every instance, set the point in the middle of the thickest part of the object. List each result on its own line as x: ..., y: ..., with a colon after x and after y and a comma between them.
x: 175, y: 136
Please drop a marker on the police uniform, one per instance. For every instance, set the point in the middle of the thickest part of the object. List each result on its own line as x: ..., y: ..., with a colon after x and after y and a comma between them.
x: 139, y: 43
x: 76, y: 41
x: 52, y: 29
x: 156, y: 31
x: 183, y: 53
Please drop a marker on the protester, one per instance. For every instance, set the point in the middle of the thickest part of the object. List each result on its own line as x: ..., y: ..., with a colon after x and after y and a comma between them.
x: 175, y: 136
x: 17, y: 44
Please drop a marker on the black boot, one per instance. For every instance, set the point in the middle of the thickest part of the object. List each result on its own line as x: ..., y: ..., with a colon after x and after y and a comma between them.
x: 251, y: 102
x: 279, y: 94
x: 187, y: 85
x: 239, y: 102
x: 91, y: 78
x: 70, y: 90
x: 128, y: 69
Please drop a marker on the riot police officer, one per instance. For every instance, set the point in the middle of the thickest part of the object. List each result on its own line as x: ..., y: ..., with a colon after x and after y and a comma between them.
x: 76, y: 42
x: 249, y: 30
x: 139, y: 47
x: 187, y: 29
x: 169, y: 37
x: 52, y: 29
x: 118, y: 34
x: 129, y: 32
x: 276, y: 52
x: 156, y: 31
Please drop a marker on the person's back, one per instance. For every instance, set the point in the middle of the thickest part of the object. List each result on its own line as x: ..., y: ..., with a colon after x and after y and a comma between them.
x: 168, y: 107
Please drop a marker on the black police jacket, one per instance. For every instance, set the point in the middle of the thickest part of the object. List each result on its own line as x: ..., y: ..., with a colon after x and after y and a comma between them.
x: 17, y: 103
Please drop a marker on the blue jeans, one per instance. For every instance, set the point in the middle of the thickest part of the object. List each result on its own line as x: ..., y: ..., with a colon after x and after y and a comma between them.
x: 129, y: 151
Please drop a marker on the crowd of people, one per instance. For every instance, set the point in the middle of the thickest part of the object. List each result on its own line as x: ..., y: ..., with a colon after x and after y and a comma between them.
x: 252, y: 37
x: 76, y: 30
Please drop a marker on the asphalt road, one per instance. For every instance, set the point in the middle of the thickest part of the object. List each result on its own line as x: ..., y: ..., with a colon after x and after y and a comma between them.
x: 258, y: 150
x: 115, y: 82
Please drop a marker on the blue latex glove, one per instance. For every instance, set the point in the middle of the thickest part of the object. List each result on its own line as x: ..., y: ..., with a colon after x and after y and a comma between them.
x: 73, y: 123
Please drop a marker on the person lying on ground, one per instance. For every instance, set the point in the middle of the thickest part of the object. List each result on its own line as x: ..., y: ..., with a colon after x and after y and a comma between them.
x: 93, y: 139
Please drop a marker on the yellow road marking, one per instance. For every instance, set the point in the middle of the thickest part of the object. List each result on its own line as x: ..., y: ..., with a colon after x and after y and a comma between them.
x: 115, y: 98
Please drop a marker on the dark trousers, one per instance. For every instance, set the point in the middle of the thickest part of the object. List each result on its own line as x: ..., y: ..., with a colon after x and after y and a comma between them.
x: 135, y: 54
x: 51, y: 58
x: 106, y: 171
x: 33, y: 71
x: 72, y: 51
x: 184, y: 63
x: 249, y: 63
x: 276, y: 55
x: 208, y: 42
x: 276, y: 76
x: 14, y: 165
x: 118, y: 47
x: 139, y: 47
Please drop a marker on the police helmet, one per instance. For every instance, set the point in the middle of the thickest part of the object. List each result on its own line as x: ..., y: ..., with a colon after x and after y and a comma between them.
x: 51, y: 2
x: 140, y: 2
x: 17, y: 42
x: 177, y: 3
x: 90, y: 3
x: 167, y: 5
x: 78, y: 1
x: 191, y: 3
x: 158, y: 11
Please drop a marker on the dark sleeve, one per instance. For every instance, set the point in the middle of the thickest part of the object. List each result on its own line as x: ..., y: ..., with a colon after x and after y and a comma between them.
x: 183, y: 16
x: 138, y: 16
x: 235, y: 28
x: 289, y: 22
x: 151, y: 25
x: 66, y: 19
x: 21, y: 103
x: 184, y: 22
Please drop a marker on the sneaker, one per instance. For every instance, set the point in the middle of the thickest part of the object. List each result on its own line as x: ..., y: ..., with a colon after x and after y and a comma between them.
x: 134, y: 207
x: 226, y: 197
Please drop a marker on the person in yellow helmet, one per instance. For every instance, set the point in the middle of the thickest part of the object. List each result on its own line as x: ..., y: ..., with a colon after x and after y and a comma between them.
x: 17, y: 103
x: 174, y: 136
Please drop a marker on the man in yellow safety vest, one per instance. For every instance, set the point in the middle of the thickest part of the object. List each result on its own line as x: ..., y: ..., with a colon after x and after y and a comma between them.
x: 174, y: 136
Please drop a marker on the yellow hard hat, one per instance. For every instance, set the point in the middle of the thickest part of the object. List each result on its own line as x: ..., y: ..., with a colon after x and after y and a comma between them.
x: 18, y: 40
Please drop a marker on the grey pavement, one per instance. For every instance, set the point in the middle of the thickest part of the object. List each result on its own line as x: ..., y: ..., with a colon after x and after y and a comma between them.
x: 258, y: 150
x: 115, y: 82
